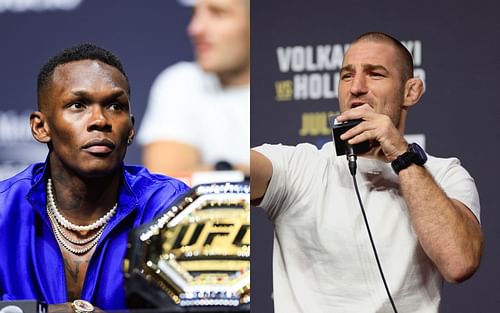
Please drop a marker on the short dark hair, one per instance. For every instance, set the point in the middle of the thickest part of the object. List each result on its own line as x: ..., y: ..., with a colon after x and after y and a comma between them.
x: 406, y: 58
x: 84, y: 51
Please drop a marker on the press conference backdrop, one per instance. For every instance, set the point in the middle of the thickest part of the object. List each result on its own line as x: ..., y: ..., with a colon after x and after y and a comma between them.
x: 297, y: 50
x: 147, y: 36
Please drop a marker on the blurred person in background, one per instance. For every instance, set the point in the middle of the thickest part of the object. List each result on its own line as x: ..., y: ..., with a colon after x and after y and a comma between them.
x: 198, y: 116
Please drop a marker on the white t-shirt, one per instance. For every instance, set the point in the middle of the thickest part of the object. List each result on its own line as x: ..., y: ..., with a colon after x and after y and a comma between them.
x: 323, y: 261
x: 189, y: 105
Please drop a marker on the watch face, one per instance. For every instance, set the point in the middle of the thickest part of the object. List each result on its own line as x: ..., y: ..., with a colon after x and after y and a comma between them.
x: 421, y: 157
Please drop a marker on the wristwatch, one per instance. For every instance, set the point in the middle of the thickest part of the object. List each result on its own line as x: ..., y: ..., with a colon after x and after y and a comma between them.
x: 82, y: 306
x: 414, y: 155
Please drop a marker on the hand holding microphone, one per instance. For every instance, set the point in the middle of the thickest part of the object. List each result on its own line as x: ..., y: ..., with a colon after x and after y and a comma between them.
x: 343, y: 147
x: 375, y: 129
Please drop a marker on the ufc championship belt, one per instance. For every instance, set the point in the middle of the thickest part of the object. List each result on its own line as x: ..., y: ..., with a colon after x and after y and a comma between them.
x: 195, y: 255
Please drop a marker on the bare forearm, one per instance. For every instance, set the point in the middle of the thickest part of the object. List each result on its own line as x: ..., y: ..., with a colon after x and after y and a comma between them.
x: 261, y: 171
x: 176, y: 158
x: 171, y: 158
x: 447, y: 230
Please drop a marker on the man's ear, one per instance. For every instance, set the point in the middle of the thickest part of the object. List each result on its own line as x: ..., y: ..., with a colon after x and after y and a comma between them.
x: 414, y: 89
x: 39, y: 127
x: 131, y: 133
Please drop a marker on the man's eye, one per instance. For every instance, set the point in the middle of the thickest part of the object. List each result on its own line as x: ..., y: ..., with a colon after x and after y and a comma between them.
x: 375, y: 74
x: 76, y: 105
x: 346, y: 76
x: 116, y: 106
x: 217, y: 12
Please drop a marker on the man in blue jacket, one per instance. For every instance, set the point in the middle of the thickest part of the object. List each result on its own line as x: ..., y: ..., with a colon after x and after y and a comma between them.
x: 64, y: 223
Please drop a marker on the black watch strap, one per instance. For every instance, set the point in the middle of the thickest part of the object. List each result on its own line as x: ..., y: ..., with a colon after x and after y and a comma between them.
x: 414, y: 155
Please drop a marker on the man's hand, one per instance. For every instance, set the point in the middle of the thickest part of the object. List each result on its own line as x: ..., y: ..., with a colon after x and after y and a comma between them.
x: 67, y: 308
x: 60, y: 308
x: 387, y: 141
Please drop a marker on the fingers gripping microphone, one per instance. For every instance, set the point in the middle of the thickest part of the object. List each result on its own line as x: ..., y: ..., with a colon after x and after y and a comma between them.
x: 340, y: 145
x: 351, y: 158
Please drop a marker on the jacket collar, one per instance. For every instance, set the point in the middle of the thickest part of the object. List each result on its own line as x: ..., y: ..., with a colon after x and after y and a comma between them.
x: 37, y: 195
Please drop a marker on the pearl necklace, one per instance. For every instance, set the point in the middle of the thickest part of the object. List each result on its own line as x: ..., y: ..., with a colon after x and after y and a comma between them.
x: 65, y: 242
x: 67, y: 224
x: 63, y: 233
x: 57, y: 220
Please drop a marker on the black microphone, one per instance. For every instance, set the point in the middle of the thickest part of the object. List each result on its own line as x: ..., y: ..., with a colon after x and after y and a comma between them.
x: 351, y: 158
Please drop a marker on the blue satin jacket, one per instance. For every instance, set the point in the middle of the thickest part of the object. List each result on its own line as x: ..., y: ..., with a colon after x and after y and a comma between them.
x: 31, y: 263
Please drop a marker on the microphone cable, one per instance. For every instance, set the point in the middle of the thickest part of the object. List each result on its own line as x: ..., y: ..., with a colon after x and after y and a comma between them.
x: 351, y: 158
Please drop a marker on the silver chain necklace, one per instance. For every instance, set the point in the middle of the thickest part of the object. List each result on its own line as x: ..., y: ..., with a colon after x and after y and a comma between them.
x: 63, y: 238
x: 66, y: 243
x: 63, y: 233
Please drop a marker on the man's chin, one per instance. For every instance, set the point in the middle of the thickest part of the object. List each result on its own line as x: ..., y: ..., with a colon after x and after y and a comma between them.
x: 99, y: 170
x: 208, y: 64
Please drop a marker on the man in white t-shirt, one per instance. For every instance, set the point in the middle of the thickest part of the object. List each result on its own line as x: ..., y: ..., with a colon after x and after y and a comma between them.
x: 198, y: 116
x: 423, y: 211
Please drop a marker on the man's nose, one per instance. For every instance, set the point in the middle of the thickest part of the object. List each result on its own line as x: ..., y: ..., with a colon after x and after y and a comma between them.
x: 196, y: 25
x: 358, y: 86
x: 98, y: 119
